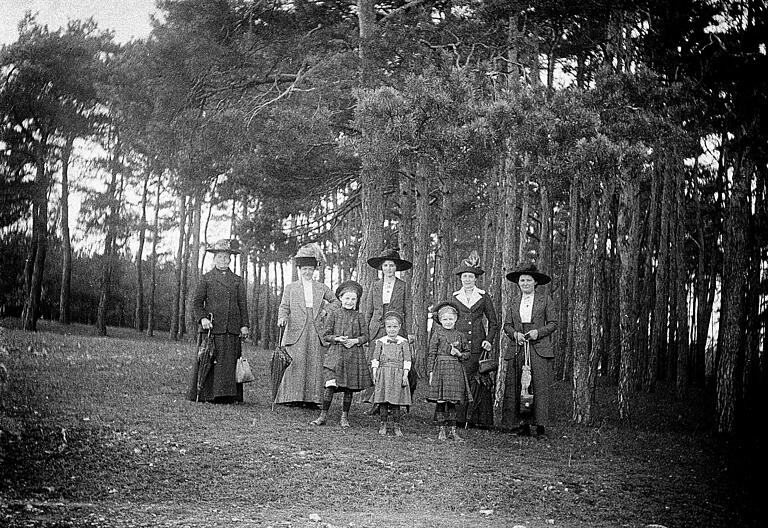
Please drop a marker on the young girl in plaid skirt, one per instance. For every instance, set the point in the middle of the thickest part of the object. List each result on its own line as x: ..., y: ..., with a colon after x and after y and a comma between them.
x: 448, y: 384
x: 345, y: 368
x: 391, y: 362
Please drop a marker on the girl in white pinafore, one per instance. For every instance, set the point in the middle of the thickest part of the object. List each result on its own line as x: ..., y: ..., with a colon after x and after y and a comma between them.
x: 391, y: 364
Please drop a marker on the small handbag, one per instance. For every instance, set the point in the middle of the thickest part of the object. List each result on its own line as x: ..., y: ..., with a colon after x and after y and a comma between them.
x: 243, y: 373
x: 526, y: 398
x: 487, y: 364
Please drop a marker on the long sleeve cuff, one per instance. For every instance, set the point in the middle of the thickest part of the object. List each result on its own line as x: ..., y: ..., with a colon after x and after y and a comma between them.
x: 375, y: 363
x: 406, y: 365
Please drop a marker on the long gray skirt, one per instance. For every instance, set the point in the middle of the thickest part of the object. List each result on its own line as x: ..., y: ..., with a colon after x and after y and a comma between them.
x: 303, y: 379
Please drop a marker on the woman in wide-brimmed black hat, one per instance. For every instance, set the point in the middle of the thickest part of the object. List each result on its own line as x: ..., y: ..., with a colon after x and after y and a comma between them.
x: 221, y: 294
x: 302, y: 312
x: 475, y: 311
x: 531, y: 318
x: 388, y: 293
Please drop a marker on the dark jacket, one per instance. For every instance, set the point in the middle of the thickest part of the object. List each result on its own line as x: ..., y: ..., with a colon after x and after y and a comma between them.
x: 471, y: 322
x: 373, y: 307
x: 543, y: 319
x: 222, y: 293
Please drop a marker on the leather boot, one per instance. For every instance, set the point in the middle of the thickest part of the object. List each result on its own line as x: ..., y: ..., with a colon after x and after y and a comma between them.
x: 441, y: 433
x: 320, y: 419
x: 344, y: 422
x: 383, y: 428
x: 455, y: 435
x: 398, y: 431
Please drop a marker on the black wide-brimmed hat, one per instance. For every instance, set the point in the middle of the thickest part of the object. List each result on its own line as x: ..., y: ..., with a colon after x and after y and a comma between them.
x: 308, y: 255
x: 539, y: 277
x: 225, y: 245
x: 349, y: 285
x: 394, y: 256
x: 470, y: 265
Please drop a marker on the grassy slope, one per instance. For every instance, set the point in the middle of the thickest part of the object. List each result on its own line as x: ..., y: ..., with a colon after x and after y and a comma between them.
x: 97, y: 433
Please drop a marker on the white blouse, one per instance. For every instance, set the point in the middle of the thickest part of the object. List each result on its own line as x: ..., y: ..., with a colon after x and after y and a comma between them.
x: 526, y: 307
x: 309, y: 301
x: 386, y: 293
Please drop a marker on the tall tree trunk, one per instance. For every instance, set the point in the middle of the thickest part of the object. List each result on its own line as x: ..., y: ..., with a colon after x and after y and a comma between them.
x: 193, y: 268
x: 176, y: 299
x: 504, y: 406
x: 545, y: 233
x: 445, y: 279
x: 138, y: 316
x: 660, y: 310
x: 628, y: 235
x: 371, y: 186
x: 182, y: 329
x: 405, y: 236
x: 488, y: 217
x: 66, y: 243
x: 682, y: 378
x: 525, y: 199
x: 424, y: 173
x: 153, y: 259
x: 111, y: 221
x: 35, y: 265
x: 734, y: 295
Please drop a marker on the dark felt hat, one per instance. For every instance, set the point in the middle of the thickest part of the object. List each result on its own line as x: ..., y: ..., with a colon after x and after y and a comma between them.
x: 393, y: 314
x: 394, y: 256
x: 471, y: 264
x: 349, y: 285
x: 225, y: 245
x: 539, y: 277
x: 442, y: 305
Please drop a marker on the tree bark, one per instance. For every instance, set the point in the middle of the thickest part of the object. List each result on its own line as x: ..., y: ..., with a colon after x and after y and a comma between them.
x: 734, y: 295
x: 424, y: 173
x: 138, y: 316
x: 176, y: 299
x: 445, y: 279
x: 35, y: 265
x: 153, y: 260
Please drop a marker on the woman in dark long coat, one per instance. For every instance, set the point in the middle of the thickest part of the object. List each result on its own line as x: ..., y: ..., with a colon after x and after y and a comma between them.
x: 475, y: 311
x: 531, y: 317
x: 222, y: 294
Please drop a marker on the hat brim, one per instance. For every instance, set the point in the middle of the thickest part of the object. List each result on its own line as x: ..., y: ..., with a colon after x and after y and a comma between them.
x: 305, y: 261
x: 347, y: 286
x: 540, y: 278
x: 400, y: 264
x: 222, y: 250
x: 468, y: 269
x: 446, y: 303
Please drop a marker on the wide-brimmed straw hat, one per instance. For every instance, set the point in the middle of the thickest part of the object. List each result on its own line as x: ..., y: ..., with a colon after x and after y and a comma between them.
x: 225, y: 245
x: 471, y: 264
x: 394, y: 256
x: 539, y: 277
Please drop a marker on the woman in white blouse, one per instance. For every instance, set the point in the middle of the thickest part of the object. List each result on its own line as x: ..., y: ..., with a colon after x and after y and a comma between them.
x: 531, y: 317
x: 301, y: 313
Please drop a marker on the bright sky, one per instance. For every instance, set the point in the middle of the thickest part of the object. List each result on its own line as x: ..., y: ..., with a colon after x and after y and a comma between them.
x: 128, y: 19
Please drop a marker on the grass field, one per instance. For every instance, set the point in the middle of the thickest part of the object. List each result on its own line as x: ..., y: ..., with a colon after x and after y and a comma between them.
x: 95, y: 432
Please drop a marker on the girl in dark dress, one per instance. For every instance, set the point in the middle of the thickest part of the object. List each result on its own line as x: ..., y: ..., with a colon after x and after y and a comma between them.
x: 448, y: 385
x: 345, y: 368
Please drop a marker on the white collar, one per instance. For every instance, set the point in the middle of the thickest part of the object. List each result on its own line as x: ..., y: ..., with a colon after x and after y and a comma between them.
x: 476, y: 289
x: 399, y: 339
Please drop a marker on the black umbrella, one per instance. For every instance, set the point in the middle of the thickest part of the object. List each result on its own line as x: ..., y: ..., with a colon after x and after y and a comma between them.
x: 280, y: 361
x: 206, y: 357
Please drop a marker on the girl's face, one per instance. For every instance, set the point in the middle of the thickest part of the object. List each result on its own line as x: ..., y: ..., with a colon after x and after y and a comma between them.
x: 448, y: 320
x: 392, y: 327
x: 468, y: 280
x: 221, y: 260
x: 307, y: 272
x: 388, y: 268
x: 348, y: 300
x: 526, y: 283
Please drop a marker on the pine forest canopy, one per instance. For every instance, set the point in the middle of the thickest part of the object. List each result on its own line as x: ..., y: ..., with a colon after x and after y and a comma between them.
x: 621, y: 146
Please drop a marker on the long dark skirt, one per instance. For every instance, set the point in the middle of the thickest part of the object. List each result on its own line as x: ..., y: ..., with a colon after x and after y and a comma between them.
x: 482, y: 389
x: 219, y: 385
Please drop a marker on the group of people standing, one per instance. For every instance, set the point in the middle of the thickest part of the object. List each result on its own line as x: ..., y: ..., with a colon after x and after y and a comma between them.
x: 352, y: 341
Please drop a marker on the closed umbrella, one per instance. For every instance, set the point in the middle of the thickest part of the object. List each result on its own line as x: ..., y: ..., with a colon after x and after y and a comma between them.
x: 206, y: 357
x: 280, y: 361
